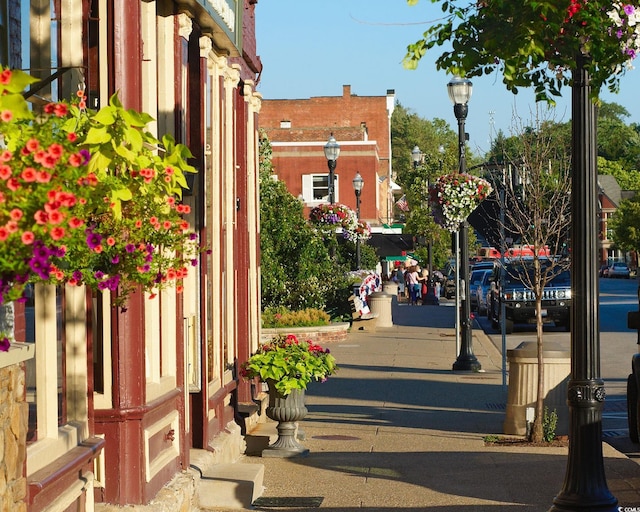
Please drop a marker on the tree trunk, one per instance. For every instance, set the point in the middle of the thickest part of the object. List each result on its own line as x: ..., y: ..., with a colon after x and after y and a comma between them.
x: 537, y: 430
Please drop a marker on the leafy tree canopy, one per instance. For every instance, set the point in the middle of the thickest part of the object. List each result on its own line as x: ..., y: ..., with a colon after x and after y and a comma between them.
x: 530, y: 42
x: 625, y: 225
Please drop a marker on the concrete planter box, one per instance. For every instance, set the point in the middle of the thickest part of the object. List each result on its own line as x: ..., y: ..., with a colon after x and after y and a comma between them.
x: 523, y: 384
x: 320, y: 334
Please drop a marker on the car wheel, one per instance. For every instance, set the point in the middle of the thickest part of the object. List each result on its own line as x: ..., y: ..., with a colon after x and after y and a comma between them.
x: 632, y: 408
x: 508, y: 326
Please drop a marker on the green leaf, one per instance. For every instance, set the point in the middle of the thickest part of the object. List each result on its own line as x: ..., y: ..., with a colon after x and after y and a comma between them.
x: 105, y: 116
x: 134, y: 137
x: 17, y: 104
x: 123, y: 194
x: 19, y: 81
x: 96, y: 136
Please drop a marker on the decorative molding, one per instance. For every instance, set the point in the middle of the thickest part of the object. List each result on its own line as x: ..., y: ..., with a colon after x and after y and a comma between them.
x: 206, y: 45
x: 185, y: 25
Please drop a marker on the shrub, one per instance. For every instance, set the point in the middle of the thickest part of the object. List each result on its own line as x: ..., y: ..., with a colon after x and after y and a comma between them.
x: 282, y: 317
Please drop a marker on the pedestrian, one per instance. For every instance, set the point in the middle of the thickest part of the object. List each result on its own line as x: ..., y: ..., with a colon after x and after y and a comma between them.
x: 424, y: 284
x: 413, y: 284
x: 399, y: 278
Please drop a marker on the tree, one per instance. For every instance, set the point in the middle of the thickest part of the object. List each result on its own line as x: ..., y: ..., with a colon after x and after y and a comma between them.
x: 625, y: 225
x: 534, y: 187
x: 438, y: 145
x: 297, y: 270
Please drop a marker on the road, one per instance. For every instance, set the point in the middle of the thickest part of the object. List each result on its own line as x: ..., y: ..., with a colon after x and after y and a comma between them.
x: 617, y: 345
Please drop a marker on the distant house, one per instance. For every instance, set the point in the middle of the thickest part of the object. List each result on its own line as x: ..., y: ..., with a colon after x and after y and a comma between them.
x: 609, y: 197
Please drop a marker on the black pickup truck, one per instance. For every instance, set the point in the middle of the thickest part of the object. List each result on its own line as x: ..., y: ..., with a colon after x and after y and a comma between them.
x: 510, y: 289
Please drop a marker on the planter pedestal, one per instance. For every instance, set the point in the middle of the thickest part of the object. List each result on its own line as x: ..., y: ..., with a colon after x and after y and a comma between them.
x: 286, y: 410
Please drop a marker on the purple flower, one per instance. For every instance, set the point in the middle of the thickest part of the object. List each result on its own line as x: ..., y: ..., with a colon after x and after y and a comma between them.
x: 4, y: 344
x: 86, y: 155
x: 93, y: 239
x: 130, y: 248
x: 98, y: 274
x: 629, y: 9
x: 116, y: 259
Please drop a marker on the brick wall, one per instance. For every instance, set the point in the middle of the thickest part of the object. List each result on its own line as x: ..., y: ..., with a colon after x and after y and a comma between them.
x: 322, y: 335
x: 13, y: 435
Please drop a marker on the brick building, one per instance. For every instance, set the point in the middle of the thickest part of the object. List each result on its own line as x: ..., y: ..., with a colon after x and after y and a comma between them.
x: 298, y: 130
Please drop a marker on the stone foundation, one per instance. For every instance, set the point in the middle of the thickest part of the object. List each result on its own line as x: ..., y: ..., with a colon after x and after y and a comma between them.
x: 13, y: 436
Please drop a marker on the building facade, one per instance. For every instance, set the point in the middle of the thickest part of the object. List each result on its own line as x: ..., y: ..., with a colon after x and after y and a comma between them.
x: 112, y: 402
x: 298, y: 130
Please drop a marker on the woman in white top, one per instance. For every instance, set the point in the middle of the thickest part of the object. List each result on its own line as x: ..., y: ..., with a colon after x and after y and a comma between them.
x: 413, y: 281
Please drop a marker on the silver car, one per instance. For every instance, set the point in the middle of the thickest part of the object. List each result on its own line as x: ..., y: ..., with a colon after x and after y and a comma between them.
x: 619, y: 269
x: 479, y: 284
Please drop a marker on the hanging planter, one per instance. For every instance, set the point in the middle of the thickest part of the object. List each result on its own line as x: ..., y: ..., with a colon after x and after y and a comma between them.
x: 88, y: 198
x: 454, y: 196
x: 332, y: 216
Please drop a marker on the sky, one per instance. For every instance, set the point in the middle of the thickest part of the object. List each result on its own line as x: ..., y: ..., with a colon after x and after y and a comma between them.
x: 312, y: 48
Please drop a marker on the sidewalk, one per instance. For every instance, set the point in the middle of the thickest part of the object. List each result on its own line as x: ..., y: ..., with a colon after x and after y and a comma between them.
x: 397, y: 429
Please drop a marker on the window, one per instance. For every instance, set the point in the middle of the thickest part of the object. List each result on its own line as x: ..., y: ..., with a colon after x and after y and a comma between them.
x: 315, y: 188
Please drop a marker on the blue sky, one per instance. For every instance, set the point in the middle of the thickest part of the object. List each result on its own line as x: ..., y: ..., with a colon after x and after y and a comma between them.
x: 312, y: 48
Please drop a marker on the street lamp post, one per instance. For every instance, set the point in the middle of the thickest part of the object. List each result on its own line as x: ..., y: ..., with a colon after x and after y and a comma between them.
x: 331, y: 152
x: 460, y: 92
x: 431, y: 299
x: 358, y: 183
x: 585, y: 484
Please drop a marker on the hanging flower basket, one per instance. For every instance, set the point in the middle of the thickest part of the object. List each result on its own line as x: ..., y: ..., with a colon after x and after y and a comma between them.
x: 333, y: 216
x: 89, y: 198
x: 361, y: 232
x: 454, y: 196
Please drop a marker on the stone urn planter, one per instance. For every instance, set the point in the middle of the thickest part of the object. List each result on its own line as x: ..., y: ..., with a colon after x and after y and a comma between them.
x: 286, y: 410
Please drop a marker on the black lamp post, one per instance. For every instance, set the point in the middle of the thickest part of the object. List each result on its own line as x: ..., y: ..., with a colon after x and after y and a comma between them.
x: 459, y: 93
x: 585, y: 485
x: 358, y: 183
x: 331, y: 152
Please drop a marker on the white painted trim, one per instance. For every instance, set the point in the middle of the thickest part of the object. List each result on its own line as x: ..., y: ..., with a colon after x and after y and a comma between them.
x: 18, y: 352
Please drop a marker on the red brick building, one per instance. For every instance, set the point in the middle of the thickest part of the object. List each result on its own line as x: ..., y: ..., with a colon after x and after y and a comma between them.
x: 298, y: 130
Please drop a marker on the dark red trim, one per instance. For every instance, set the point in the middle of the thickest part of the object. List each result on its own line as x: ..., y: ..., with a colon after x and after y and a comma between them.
x: 47, y: 484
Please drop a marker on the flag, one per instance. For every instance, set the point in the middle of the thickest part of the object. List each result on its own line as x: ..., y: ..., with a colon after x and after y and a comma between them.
x: 402, y: 203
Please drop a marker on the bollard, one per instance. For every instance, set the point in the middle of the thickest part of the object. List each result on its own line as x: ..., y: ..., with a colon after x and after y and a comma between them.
x: 391, y: 288
x: 380, y: 304
x: 523, y: 385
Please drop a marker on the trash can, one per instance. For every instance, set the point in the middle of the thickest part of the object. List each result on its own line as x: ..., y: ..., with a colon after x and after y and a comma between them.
x: 380, y: 304
x: 523, y: 385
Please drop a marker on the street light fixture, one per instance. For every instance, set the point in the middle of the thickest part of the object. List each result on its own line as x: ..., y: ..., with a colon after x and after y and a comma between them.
x: 459, y: 93
x: 358, y: 184
x: 331, y: 152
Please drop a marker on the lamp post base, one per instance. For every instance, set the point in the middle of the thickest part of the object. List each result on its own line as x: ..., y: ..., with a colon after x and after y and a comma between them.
x: 467, y: 363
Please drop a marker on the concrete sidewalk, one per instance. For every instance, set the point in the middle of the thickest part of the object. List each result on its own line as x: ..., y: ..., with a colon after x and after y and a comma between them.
x: 397, y: 429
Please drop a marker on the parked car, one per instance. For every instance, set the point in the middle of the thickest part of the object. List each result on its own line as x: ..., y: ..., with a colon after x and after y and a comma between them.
x: 519, y: 299
x: 483, y: 291
x: 619, y: 269
x: 475, y: 287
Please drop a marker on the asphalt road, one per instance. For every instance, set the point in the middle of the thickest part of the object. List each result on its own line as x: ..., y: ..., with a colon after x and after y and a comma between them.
x: 617, y: 345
